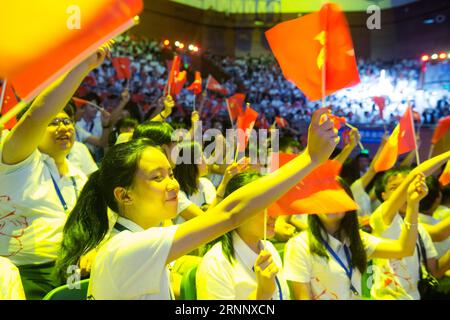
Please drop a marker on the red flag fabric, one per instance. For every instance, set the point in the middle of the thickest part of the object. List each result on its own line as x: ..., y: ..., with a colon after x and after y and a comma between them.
x: 79, y: 102
x: 441, y: 129
x: 380, y: 102
x: 281, y: 122
x: 178, y: 83
x: 9, y: 101
x: 402, y: 140
x: 236, y: 105
x: 57, y: 43
x: 322, y: 39
x: 318, y: 193
x: 214, y: 85
x: 196, y: 86
x: 122, y: 67
x: 406, y: 136
x: 444, y: 179
x: 346, y: 137
x: 245, y: 124
x: 174, y: 70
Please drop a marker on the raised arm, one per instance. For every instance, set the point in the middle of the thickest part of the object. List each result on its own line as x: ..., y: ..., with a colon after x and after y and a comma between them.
x: 440, y: 231
x: 27, y: 134
x: 405, y: 245
x: 398, y: 198
x: 347, y: 150
x: 256, y: 196
x: 168, y: 106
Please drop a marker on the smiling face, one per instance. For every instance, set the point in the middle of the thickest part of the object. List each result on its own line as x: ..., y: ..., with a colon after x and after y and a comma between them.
x: 392, y: 184
x: 59, y: 136
x: 154, y: 192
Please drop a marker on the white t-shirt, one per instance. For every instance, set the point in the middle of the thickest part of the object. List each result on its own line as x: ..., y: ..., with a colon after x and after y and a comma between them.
x: 327, y: 278
x: 361, y: 198
x: 397, y: 278
x: 132, y: 265
x: 442, y: 246
x: 219, y: 279
x: 206, y: 194
x: 81, y: 157
x: 31, y: 213
x: 10, y: 282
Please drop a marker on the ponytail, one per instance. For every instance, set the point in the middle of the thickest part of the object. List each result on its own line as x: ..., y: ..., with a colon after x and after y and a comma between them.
x: 85, y: 227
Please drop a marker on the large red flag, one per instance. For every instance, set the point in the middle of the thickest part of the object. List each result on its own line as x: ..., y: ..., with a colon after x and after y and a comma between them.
x: 236, y: 105
x: 32, y: 58
x: 402, y: 140
x: 178, y: 83
x: 306, y: 45
x: 245, y: 124
x: 318, y: 193
x: 214, y: 85
x: 9, y: 101
x: 174, y: 71
x: 122, y: 67
x: 441, y: 129
x: 196, y: 86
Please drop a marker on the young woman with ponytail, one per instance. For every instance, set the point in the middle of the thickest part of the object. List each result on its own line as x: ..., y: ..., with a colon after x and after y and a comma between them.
x: 136, y: 181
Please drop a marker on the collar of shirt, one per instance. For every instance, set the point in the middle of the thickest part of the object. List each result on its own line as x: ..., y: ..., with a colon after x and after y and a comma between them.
x: 245, y: 253
x: 73, y: 171
x: 130, y: 225
x: 334, y: 243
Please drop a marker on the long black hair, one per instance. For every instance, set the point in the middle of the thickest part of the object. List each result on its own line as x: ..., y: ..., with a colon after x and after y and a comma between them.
x: 238, y: 181
x: 348, y: 228
x: 87, y: 224
x: 159, y: 132
x: 187, y: 172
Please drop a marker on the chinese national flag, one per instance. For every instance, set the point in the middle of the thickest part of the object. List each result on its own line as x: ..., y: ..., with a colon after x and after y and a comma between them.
x: 245, y: 124
x: 122, y: 67
x: 236, y: 105
x: 380, y: 102
x: 402, y: 140
x: 178, y: 83
x: 441, y: 129
x: 214, y: 85
x: 318, y: 193
x: 196, y: 86
x: 67, y: 31
x: 306, y: 45
x: 444, y: 179
x: 174, y: 71
x: 281, y: 122
x: 9, y: 101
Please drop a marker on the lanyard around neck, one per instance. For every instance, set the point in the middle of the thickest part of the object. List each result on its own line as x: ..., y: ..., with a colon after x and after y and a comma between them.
x: 58, y: 191
x: 348, y: 270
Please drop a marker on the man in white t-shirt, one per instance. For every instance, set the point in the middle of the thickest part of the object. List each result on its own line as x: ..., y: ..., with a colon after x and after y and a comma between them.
x: 398, y: 278
x: 39, y: 185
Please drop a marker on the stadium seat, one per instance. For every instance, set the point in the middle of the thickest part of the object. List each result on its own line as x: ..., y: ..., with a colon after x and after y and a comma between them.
x: 66, y: 293
x: 188, y: 290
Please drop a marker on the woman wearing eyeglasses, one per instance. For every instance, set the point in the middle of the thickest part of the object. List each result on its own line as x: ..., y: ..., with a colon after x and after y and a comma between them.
x: 39, y: 186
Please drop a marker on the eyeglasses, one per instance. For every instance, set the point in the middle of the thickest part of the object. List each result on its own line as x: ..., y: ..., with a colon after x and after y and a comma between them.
x: 55, y: 122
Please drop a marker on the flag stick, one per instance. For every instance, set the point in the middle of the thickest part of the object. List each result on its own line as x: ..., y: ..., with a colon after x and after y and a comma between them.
x: 324, y: 74
x: 194, y: 102
x: 3, y: 94
x: 237, y: 151
x: 414, y: 133
x: 265, y: 228
x: 354, y: 128
x: 229, y: 114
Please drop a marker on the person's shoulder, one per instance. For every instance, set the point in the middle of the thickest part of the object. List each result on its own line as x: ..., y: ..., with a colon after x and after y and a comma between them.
x: 300, y: 239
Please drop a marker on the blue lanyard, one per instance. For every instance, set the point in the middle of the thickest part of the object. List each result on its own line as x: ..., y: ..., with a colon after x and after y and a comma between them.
x: 58, y: 191
x: 280, y: 292
x: 349, y: 270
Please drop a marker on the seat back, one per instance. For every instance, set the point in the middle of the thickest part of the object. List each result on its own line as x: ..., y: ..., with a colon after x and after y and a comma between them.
x: 188, y: 290
x: 76, y: 291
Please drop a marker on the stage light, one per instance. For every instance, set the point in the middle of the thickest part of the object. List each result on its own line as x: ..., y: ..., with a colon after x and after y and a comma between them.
x: 166, y: 43
x: 195, y: 49
x: 442, y: 55
x: 434, y: 56
x: 191, y: 47
x: 177, y: 43
x: 425, y: 58
x: 181, y: 46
